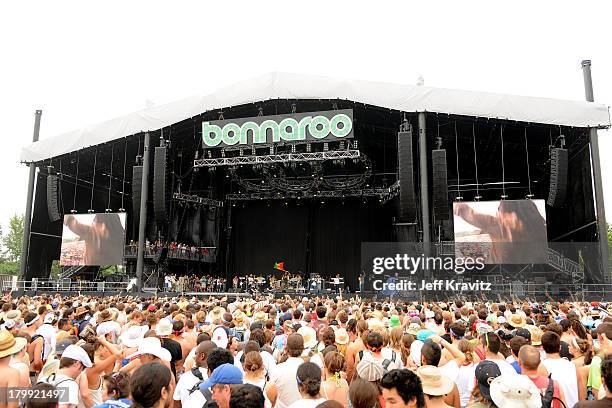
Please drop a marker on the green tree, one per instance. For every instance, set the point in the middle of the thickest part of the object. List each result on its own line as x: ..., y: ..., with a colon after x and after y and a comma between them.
x: 12, y: 240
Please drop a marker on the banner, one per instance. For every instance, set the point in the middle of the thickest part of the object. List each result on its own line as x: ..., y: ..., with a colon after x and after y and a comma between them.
x: 93, y: 239
x: 295, y: 127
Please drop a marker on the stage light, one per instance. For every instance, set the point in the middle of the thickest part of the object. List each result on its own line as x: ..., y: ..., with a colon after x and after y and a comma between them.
x: 308, y: 148
x: 108, y: 210
x: 90, y: 211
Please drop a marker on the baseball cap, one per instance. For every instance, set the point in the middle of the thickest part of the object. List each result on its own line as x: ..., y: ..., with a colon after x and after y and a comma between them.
x: 224, y: 374
x: 485, y: 372
x: 523, y: 333
x: 77, y: 353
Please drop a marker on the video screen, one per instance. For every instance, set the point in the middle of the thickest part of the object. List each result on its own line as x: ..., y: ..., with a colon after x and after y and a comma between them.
x: 93, y: 239
x: 501, y: 232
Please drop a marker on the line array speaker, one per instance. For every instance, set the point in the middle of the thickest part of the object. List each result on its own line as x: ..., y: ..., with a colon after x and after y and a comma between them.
x: 558, y: 178
x: 160, y: 186
x: 53, y: 207
x: 408, y: 210
x: 440, y: 185
x: 136, y: 194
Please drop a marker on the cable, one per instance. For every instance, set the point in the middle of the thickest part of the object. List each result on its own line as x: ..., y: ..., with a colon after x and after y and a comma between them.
x: 93, y: 182
x: 76, y: 182
x: 122, y: 209
x: 110, y: 178
x: 459, y: 197
x: 478, y: 197
x: 501, y: 133
x: 528, y: 170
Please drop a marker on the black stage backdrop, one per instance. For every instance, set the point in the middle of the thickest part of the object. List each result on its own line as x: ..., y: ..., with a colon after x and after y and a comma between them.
x: 311, y: 238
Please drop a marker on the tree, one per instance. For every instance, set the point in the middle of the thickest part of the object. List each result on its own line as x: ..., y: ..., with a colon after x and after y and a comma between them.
x: 12, y: 240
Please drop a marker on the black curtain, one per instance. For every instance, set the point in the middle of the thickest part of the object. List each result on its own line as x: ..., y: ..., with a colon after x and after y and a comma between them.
x: 337, y: 234
x: 312, y: 238
x: 264, y: 235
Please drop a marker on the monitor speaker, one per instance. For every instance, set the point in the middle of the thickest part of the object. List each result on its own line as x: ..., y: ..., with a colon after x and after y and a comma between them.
x: 558, y: 178
x: 53, y: 206
x: 441, y: 208
x: 408, y: 209
x: 136, y: 194
x: 160, y: 186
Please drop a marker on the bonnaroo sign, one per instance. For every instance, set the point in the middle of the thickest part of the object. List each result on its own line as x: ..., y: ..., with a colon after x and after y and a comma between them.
x: 309, y: 126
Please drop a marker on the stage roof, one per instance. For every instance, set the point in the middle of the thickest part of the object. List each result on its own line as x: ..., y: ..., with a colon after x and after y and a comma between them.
x: 406, y: 98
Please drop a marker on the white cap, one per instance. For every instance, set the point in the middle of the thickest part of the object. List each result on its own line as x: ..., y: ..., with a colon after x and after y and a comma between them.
x: 152, y: 345
x: 49, y: 318
x: 164, y: 327
x: 501, y: 320
x: 108, y: 327
x: 77, y: 353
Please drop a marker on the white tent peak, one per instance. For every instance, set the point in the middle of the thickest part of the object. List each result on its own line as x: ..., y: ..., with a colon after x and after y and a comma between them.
x: 282, y: 85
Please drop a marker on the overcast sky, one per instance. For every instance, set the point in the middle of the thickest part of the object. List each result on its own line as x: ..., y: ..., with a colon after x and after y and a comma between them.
x: 82, y: 63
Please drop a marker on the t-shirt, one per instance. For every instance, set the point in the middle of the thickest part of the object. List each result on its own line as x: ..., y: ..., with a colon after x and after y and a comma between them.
x: 71, y: 396
x: 564, y: 372
x: 307, y: 403
x: 283, y: 377
x: 185, y: 383
x: 176, y: 352
x: 542, y: 384
x: 504, y: 367
x: 465, y: 383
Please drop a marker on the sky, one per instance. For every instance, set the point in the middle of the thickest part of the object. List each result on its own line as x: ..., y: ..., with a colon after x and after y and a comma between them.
x: 86, y: 62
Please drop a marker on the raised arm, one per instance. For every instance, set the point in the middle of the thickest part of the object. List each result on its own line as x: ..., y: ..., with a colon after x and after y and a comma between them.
x: 482, y: 221
x: 81, y: 230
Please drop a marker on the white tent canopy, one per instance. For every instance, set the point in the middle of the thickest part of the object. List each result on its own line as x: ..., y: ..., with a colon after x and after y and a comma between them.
x: 406, y: 98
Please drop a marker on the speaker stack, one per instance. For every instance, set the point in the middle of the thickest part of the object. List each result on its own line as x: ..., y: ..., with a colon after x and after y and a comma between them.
x: 440, y: 185
x: 136, y: 194
x: 558, y: 177
x: 408, y: 209
x: 53, y: 206
x: 161, y: 191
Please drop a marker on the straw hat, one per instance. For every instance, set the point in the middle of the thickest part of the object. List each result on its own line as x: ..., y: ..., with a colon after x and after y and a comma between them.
x: 13, y: 315
x: 310, y: 336
x: 536, y: 336
x: 342, y: 337
x: 517, y: 321
x: 10, y: 345
x: 216, y: 314
x: 434, y: 383
x: 515, y: 391
x: 261, y: 315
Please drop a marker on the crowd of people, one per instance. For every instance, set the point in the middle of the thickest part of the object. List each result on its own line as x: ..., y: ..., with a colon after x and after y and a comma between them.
x: 284, y: 352
x: 194, y: 283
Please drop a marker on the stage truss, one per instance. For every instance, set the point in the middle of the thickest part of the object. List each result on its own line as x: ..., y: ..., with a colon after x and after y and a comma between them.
x: 277, y: 158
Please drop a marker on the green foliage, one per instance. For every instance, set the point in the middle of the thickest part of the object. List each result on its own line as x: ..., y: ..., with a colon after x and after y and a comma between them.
x: 9, y: 268
x: 55, y: 269
x: 12, y: 240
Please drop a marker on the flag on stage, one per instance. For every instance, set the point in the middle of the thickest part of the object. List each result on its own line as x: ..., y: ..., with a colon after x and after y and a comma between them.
x: 280, y: 266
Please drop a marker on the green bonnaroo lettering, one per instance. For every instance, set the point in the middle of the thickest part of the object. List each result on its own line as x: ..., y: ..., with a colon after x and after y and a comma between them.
x: 273, y: 129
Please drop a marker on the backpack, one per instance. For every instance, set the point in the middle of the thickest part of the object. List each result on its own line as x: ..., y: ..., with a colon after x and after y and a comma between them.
x: 548, y: 397
x: 42, y: 349
x: 386, y: 362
